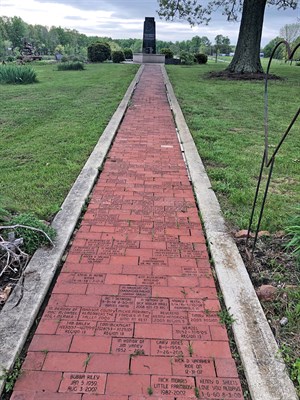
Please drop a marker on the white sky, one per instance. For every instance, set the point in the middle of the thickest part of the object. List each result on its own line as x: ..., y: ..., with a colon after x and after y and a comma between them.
x: 124, y: 19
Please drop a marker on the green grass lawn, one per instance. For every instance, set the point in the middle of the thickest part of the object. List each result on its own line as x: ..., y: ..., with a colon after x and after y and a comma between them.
x: 226, y: 119
x: 48, y: 130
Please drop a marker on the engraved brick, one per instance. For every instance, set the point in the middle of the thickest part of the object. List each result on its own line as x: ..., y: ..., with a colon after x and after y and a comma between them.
x: 173, y: 386
x: 193, y: 366
x: 76, y: 328
x: 191, y: 332
x: 114, y: 329
x: 219, y: 388
x: 83, y: 383
x: 170, y: 348
x: 97, y: 314
x: 131, y: 346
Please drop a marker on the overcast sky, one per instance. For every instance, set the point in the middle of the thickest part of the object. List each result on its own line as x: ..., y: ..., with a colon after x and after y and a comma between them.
x: 124, y: 19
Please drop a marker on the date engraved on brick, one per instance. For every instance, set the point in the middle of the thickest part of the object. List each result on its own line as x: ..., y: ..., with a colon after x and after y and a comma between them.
x: 83, y: 383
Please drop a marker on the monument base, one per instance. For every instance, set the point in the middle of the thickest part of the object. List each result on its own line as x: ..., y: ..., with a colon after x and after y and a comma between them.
x: 141, y: 58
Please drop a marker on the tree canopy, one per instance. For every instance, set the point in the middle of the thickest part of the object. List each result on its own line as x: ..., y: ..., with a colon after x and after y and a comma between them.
x: 246, y: 58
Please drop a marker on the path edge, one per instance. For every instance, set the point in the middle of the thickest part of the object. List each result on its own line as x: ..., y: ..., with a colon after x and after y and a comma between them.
x: 264, y: 368
x: 17, y: 317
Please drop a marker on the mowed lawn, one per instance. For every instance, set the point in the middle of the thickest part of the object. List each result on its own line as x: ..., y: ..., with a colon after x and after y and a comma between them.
x: 48, y: 130
x: 226, y: 119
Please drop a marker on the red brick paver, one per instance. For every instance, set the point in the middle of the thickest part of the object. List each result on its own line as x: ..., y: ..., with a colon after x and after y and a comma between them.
x: 134, y: 312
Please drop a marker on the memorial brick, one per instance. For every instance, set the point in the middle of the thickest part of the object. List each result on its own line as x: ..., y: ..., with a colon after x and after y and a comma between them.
x: 219, y: 388
x: 133, y: 346
x: 83, y: 383
x: 114, y: 329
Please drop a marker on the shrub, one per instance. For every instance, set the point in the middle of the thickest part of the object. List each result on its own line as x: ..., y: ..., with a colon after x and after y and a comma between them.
x: 167, y: 52
x: 99, y: 52
x: 186, y: 58
x: 128, y: 54
x: 118, y: 56
x: 14, y: 74
x: 10, y: 59
x: 201, y: 58
x: 32, y: 239
x: 71, y: 66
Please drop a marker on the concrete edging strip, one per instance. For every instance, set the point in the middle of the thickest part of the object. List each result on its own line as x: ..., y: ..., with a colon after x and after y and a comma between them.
x: 264, y: 368
x: 18, y: 316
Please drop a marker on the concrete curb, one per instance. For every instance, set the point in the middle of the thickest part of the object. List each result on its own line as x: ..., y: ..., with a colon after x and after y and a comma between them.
x: 264, y: 368
x: 17, y: 317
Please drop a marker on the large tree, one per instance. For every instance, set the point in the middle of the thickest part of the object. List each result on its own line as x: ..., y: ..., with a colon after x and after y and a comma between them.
x: 246, y: 58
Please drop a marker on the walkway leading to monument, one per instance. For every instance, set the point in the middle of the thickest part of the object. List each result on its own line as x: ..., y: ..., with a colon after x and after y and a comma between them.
x: 134, y: 312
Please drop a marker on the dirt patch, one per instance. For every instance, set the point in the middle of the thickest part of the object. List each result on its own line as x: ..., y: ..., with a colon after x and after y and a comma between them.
x: 274, y: 266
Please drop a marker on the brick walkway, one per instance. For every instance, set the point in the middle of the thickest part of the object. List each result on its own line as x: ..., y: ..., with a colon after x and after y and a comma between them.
x: 134, y: 312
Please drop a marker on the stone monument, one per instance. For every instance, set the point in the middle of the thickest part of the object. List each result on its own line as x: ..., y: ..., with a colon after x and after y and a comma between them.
x: 148, y: 54
x: 149, y: 38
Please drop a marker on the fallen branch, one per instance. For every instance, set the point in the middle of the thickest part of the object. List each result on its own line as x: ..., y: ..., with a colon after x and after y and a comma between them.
x: 27, y: 227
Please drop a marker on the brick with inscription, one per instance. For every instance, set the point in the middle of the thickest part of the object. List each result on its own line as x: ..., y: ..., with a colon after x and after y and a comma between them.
x: 190, y: 271
x: 169, y: 347
x: 152, y: 280
x: 131, y: 346
x: 204, y: 317
x: 97, y: 314
x: 83, y: 383
x: 57, y: 313
x: 191, y: 332
x: 117, y: 302
x: 173, y: 386
x: 186, y: 304
x: 136, y: 291
x: 152, y: 304
x: 219, y: 388
x: 87, y: 278
x: 76, y: 328
x: 114, y: 329
x: 193, y: 366
x: 133, y: 316
x: 169, y: 317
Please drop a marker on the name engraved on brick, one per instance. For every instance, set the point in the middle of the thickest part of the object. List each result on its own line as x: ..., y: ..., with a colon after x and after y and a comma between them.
x: 117, y: 302
x: 186, y: 305
x: 166, y: 253
x: 95, y: 259
x: 87, y: 278
x: 114, y: 329
x: 193, y: 366
x: 69, y: 313
x: 152, y: 304
x: 84, y: 250
x: 190, y: 271
x: 83, y: 383
x: 152, y: 280
x: 169, y: 317
x: 97, y: 314
x: 191, y: 332
x: 135, y: 291
x: 219, y: 388
x: 169, y: 347
x: 173, y: 386
x: 131, y: 346
x: 133, y: 316
x: 153, y: 261
x: 202, y: 317
x: 76, y: 328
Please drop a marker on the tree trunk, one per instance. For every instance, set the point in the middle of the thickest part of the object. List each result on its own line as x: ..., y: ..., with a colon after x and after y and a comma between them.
x: 246, y: 57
